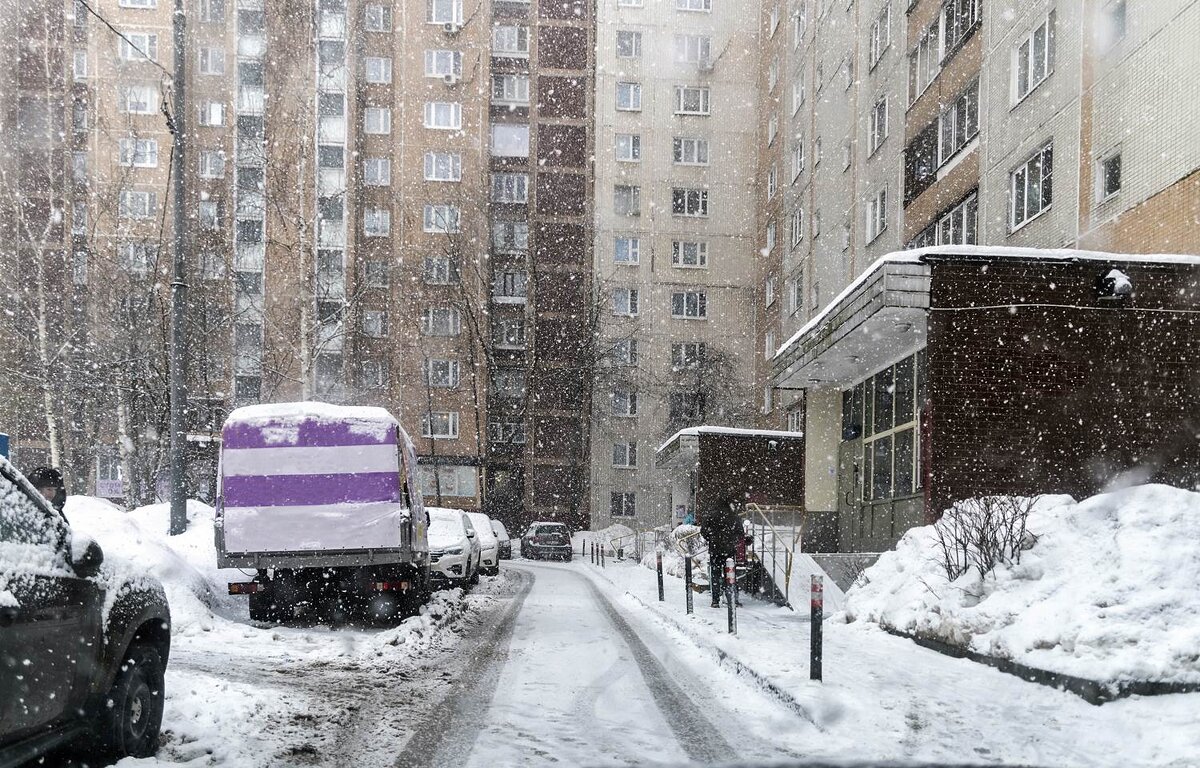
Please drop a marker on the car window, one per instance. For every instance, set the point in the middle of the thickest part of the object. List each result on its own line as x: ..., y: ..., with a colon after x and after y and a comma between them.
x: 22, y: 521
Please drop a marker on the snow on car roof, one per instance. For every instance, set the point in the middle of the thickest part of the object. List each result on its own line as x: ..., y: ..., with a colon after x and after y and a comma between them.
x: 917, y: 256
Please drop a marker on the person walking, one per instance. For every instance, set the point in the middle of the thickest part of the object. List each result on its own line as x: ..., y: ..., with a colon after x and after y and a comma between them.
x: 721, y: 529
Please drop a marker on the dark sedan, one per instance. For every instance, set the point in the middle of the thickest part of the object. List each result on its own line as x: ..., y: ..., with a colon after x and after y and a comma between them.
x: 546, y: 540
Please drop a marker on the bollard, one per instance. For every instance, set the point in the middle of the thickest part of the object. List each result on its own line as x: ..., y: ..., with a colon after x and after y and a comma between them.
x: 687, y: 580
x: 817, y: 609
x: 592, y: 550
x: 582, y: 547
x: 730, y: 599
x: 661, y: 595
x: 602, y: 554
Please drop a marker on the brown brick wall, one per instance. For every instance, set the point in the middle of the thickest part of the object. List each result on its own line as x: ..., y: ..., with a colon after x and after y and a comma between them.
x: 733, y: 466
x: 1055, y: 390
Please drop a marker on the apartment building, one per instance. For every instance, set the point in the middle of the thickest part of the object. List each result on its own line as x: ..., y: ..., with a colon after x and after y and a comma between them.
x: 675, y: 190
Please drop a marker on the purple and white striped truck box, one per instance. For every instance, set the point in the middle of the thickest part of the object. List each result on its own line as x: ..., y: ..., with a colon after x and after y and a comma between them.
x: 313, y: 477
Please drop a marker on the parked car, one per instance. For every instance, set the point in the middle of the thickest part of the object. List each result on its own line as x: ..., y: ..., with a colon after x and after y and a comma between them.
x: 489, y: 544
x: 453, y: 548
x: 546, y: 540
x: 504, y: 539
x: 83, y: 650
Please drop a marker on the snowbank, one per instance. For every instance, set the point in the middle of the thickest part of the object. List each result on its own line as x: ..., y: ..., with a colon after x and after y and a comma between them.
x: 611, y: 534
x: 1108, y: 592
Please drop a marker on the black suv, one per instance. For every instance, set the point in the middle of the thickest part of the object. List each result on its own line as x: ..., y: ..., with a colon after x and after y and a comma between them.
x: 544, y: 540
x: 82, y: 651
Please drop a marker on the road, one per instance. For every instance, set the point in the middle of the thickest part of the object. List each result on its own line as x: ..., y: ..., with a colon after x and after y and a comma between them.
x: 567, y: 678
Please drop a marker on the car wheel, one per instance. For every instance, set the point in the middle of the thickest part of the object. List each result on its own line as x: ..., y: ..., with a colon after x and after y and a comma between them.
x: 131, y: 714
x: 566, y: 558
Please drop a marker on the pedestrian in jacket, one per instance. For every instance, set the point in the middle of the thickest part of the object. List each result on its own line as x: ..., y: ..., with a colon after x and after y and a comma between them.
x: 49, y: 483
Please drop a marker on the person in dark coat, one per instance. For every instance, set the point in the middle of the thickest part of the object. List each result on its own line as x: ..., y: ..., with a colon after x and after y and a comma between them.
x: 49, y: 483
x: 721, y: 529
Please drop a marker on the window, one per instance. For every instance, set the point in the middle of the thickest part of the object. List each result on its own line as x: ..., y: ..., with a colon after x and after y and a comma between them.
x: 510, y: 286
x: 625, y: 301
x: 507, y: 432
x: 772, y: 75
x: 135, y: 258
x: 1112, y: 27
x: 212, y: 11
x: 797, y: 227
x: 377, y: 120
x: 374, y: 323
x: 1033, y: 58
x: 510, y: 89
x: 799, y: 23
x: 797, y: 158
x: 685, y: 253
x: 688, y: 354
x: 881, y: 34
x: 510, y: 188
x: 1108, y: 176
x: 510, y: 140
x: 959, y: 18
x: 625, y: 352
x: 877, y: 130
x: 212, y: 164
x: 378, y: 18
x: 885, y: 412
x: 692, y: 305
x: 443, y: 115
x: 693, y: 49
x: 439, y: 270
x: 138, y: 3
x: 768, y: 399
x: 629, y: 44
x: 688, y: 151
x: 774, y: 20
x: 769, y: 345
x: 689, y: 202
x: 1031, y: 191
x: 377, y: 222
x: 441, y: 321
x: 378, y: 69
x: 691, y: 100
x: 79, y: 115
x: 140, y: 100
x: 626, y: 250
x: 685, y: 406
x: 376, y: 274
x: 769, y: 290
x: 139, y: 153
x: 509, y: 236
x: 509, y: 384
x: 629, y: 3
x: 624, y: 455
x: 445, y: 12
x: 79, y: 65
x: 135, y: 204
x: 375, y: 374
x: 209, y: 215
x: 958, y: 226
x: 377, y: 172
x: 444, y: 219
x: 442, y: 373
x: 693, y: 5
x: 817, y: 153
x: 510, y: 41
x: 627, y: 200
x: 772, y: 181
x: 629, y: 97
x: 443, y: 63
x: 797, y: 94
x: 877, y: 215
x: 959, y: 123
x: 924, y: 61
x: 212, y: 61
x: 509, y: 333
x: 624, y: 504
x: 772, y: 236
x: 139, y: 46
x: 79, y: 267
x: 440, y: 425
x: 796, y: 293
x: 212, y: 113
x: 623, y: 402
x: 772, y: 129
x: 448, y: 481
x: 627, y: 147
x: 79, y: 218
x: 443, y: 166
x: 847, y: 72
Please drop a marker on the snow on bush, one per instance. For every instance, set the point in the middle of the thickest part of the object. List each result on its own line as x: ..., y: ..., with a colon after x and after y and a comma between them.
x: 1106, y: 590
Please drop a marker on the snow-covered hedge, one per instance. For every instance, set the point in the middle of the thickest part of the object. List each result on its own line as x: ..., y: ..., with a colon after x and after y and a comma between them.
x: 1109, y: 589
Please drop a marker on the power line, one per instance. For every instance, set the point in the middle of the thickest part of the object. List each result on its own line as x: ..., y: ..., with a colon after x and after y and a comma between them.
x: 121, y: 35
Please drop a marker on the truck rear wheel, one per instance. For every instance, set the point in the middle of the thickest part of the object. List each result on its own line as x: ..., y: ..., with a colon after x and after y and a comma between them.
x: 262, y: 607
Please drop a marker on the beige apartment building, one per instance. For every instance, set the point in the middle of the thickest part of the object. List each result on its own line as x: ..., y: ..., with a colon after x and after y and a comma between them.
x: 675, y: 198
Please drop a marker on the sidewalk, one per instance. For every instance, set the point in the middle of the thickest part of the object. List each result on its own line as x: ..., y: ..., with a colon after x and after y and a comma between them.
x: 884, y: 697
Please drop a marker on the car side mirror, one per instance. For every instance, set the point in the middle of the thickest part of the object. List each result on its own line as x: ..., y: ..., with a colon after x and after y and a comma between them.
x: 470, y: 534
x: 88, y: 561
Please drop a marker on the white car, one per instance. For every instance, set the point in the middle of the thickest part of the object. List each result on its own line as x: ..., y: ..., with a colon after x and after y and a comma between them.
x: 454, y: 552
x: 489, y: 544
x: 504, y: 539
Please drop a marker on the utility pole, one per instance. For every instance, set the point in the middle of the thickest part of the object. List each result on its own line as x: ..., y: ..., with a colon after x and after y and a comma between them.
x: 178, y: 358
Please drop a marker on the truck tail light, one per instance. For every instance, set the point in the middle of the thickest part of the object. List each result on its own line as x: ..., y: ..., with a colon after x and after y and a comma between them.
x: 246, y: 587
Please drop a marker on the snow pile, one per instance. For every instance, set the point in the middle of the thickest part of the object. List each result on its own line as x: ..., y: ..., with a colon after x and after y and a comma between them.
x: 136, y: 545
x: 609, y: 537
x: 684, y: 539
x: 1107, y: 590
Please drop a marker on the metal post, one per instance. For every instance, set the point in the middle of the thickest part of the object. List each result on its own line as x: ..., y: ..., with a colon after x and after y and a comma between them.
x: 178, y: 357
x: 661, y: 594
x: 592, y: 551
x: 687, y: 580
x: 817, y: 609
x: 730, y: 599
x: 714, y: 580
x: 602, y: 554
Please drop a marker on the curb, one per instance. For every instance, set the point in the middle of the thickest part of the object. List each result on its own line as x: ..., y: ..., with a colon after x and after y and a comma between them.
x: 724, y: 658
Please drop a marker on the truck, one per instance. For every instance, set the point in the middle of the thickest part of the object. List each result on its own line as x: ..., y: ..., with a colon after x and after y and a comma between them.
x: 322, y: 502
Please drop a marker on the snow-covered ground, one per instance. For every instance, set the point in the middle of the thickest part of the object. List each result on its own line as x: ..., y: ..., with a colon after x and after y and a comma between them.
x: 1109, y: 589
x: 884, y: 697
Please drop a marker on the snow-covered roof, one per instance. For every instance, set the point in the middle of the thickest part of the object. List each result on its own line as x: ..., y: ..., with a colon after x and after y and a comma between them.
x: 918, y: 255
x: 694, y: 431
x: 311, y: 410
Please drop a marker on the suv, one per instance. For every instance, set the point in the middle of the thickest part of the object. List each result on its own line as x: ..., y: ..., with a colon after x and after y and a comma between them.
x: 83, y: 648
x: 546, y: 540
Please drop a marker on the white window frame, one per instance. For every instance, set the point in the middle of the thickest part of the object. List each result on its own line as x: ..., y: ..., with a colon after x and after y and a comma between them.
x: 441, y: 62
x: 1101, y: 173
x: 628, y: 44
x: 442, y: 373
x: 510, y: 140
x: 689, y: 254
x: 1024, y: 53
x: 510, y: 88
x: 443, y: 166
x: 377, y: 18
x: 510, y: 188
x: 442, y: 218
x: 625, y: 302
x: 627, y: 147
x: 510, y: 41
x: 137, y: 204
x: 137, y: 152
x: 688, y: 150
x: 445, y: 12
x: 634, y: 195
x: 151, y: 103
x: 623, y: 402
x: 877, y: 129
x: 377, y: 172
x: 698, y: 6
x: 958, y: 124
x: 694, y: 202
x: 629, y: 96
x: 212, y: 114
x: 443, y: 115
x: 211, y: 164
x: 133, y: 42
x: 441, y: 321
x: 377, y: 121
x: 624, y: 455
x: 627, y: 250
x: 377, y: 70
x: 1022, y: 175
x: 450, y: 420
x: 212, y: 60
x: 689, y: 305
x: 877, y: 215
x: 881, y: 35
x: 702, y: 96
x: 377, y: 222
x: 693, y: 49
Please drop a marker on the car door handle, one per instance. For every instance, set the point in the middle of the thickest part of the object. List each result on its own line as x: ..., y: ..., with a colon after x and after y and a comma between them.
x: 8, y: 616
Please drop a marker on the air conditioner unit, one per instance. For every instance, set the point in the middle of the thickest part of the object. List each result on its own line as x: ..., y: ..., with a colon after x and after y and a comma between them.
x: 450, y: 28
x: 451, y: 79
x: 705, y: 65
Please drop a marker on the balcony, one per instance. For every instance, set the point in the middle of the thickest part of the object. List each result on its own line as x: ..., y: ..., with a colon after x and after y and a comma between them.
x: 331, y: 234
x: 332, y: 130
x: 331, y: 181
x: 332, y: 78
x: 332, y: 25
x: 250, y: 100
x: 249, y: 257
x: 252, y: 47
